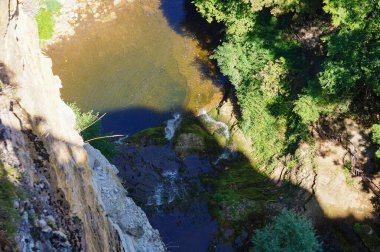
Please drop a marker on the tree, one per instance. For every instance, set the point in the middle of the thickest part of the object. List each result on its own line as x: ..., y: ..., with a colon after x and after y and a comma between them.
x: 287, y: 233
x: 353, y: 53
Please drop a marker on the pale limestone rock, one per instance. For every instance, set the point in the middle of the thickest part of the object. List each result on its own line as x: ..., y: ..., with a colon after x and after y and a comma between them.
x: 38, y: 137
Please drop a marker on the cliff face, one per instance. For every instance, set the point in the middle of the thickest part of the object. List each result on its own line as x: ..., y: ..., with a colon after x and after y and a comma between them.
x: 75, y: 201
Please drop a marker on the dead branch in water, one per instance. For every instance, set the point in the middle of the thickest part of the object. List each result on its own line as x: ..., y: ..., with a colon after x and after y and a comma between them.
x: 102, y: 137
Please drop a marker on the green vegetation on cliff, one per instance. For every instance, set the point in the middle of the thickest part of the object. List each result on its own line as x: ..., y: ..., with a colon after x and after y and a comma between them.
x: 90, y: 130
x: 45, y: 18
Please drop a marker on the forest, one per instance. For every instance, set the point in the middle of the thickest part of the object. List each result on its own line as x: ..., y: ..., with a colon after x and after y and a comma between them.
x: 293, y: 62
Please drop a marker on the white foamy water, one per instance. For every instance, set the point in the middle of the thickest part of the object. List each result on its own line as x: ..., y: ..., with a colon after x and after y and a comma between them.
x: 219, y: 124
x: 156, y: 198
x: 225, y: 155
x: 121, y: 139
x: 172, y: 125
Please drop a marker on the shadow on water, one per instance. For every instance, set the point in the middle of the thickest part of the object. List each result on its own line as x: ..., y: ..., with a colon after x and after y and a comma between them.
x: 184, y: 19
x: 132, y: 120
x: 174, y: 12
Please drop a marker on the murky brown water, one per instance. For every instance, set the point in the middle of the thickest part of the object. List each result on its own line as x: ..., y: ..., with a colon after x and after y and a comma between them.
x: 134, y: 60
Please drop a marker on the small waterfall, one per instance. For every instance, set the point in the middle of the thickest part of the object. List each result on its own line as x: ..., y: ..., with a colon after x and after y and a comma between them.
x: 226, y: 153
x: 167, y: 191
x: 121, y: 139
x: 156, y: 198
x: 172, y: 190
x: 220, y: 124
x: 172, y: 125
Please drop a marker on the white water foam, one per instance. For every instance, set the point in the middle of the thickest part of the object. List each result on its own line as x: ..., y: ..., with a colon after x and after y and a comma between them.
x: 219, y: 124
x: 172, y: 125
x: 121, y: 139
x: 224, y: 156
x: 172, y: 190
x: 156, y: 198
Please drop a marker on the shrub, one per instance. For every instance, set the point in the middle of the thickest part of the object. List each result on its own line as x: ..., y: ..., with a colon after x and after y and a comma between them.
x: 83, y: 122
x: 45, y: 18
x: 287, y: 233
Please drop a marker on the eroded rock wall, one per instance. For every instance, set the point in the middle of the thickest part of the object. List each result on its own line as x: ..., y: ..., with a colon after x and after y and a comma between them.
x: 65, y: 209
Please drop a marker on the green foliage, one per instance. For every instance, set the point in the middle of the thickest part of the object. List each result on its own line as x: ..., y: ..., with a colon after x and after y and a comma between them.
x: 353, y: 13
x: 376, y: 137
x: 273, y: 79
x: 266, y: 131
x: 45, y: 18
x: 306, y: 109
x: 232, y: 10
x: 83, y: 120
x: 278, y: 91
x: 353, y: 53
x: 287, y: 233
x: 310, y: 106
x: 242, y: 182
x: 9, y: 216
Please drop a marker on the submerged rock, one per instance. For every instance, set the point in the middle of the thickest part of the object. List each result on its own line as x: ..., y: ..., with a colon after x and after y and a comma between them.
x: 189, y: 143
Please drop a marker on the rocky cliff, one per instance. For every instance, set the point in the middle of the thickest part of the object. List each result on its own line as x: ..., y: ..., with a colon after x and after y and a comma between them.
x: 74, y: 200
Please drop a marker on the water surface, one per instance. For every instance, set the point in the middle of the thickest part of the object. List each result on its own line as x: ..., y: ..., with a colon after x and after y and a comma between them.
x: 139, y: 66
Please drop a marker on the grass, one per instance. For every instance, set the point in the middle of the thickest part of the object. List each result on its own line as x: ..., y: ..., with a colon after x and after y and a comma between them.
x: 45, y: 18
x: 9, y: 216
x: 242, y: 181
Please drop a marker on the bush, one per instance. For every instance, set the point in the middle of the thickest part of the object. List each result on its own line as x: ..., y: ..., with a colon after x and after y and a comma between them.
x: 287, y: 233
x: 45, y: 18
x: 85, y: 119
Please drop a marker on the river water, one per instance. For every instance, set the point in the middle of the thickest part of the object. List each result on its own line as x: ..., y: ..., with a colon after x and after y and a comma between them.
x: 140, y: 67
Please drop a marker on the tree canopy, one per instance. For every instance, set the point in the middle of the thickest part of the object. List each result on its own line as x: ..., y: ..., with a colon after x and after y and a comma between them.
x: 283, y: 86
x: 288, y: 232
